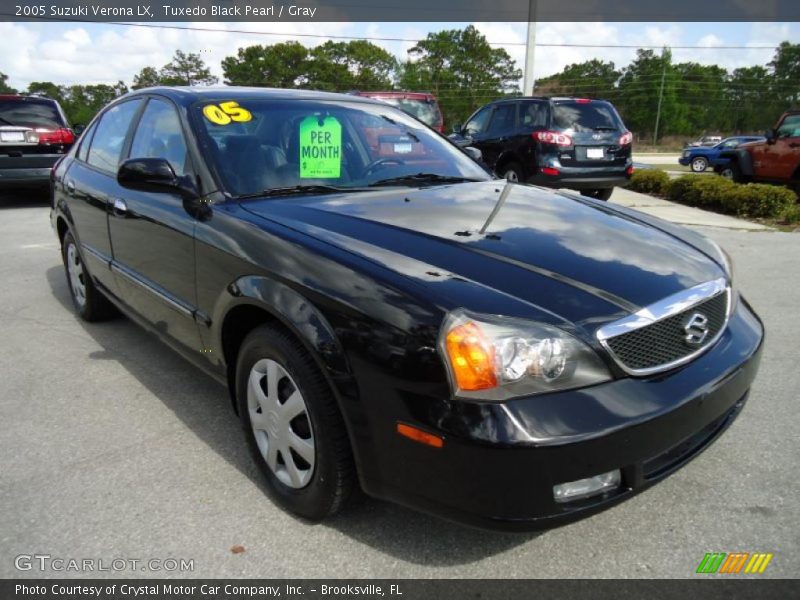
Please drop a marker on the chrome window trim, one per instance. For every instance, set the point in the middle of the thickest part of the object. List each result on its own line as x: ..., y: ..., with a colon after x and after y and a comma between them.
x: 664, y: 309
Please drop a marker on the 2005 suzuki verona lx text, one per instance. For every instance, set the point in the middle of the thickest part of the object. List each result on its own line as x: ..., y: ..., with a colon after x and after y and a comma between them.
x: 388, y: 315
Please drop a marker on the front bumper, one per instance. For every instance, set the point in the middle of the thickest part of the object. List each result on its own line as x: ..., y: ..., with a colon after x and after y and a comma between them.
x: 685, y: 161
x: 499, y: 462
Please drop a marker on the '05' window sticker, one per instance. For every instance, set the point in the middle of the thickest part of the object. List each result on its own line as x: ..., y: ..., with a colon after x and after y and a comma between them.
x: 225, y: 113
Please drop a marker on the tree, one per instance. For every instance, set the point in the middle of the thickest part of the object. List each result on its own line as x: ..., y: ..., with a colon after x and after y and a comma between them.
x: 752, y: 99
x: 640, y: 89
x: 147, y: 77
x: 785, y: 69
x: 82, y: 102
x: 183, y: 69
x: 4, y: 87
x: 702, y: 92
x: 358, y: 64
x: 593, y: 79
x: 462, y: 69
x: 47, y: 88
x: 282, y: 65
x: 186, y: 69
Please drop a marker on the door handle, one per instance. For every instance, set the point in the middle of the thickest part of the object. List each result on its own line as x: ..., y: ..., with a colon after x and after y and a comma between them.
x: 119, y: 207
x: 70, y: 186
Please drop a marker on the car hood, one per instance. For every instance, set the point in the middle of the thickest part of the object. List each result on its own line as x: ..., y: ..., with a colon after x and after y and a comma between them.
x: 574, y: 257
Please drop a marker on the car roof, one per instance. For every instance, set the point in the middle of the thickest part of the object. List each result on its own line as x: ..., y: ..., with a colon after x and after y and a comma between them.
x: 28, y: 97
x: 186, y: 95
x: 547, y: 99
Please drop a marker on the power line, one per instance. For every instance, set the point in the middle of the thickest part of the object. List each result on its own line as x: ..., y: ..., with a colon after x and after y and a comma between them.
x: 400, y: 39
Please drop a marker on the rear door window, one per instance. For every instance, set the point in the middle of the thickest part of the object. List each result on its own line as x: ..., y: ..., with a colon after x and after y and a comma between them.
x: 588, y: 116
x: 109, y: 137
x: 30, y: 112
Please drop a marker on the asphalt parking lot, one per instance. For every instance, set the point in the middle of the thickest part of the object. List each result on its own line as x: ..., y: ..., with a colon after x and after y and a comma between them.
x: 114, y: 447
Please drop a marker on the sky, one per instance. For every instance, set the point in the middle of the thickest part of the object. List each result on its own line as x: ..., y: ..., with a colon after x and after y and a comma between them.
x: 69, y: 53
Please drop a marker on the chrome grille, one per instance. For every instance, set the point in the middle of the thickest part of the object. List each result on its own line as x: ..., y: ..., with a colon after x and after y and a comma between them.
x: 657, y: 338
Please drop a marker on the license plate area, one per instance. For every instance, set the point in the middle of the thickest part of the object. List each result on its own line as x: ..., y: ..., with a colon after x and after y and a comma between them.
x: 12, y: 136
x: 595, y: 153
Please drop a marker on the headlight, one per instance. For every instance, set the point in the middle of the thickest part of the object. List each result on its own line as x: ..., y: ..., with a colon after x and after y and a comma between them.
x: 497, y: 358
x: 725, y: 259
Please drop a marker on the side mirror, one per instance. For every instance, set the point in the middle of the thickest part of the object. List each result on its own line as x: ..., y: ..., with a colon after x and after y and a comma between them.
x: 155, y: 175
x: 78, y: 128
x: 770, y: 134
x: 473, y: 153
x: 456, y: 127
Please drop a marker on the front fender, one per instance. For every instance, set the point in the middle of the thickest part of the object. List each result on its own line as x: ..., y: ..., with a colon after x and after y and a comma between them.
x: 295, y: 313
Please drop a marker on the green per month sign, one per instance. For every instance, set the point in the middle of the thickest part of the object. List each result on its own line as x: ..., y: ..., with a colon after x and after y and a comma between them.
x: 320, y: 148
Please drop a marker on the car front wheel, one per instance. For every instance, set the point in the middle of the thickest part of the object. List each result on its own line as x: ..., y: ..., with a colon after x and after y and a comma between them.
x: 699, y: 164
x: 731, y: 171
x: 292, y: 423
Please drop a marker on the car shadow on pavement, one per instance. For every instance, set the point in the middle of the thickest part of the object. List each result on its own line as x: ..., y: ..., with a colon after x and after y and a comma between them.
x: 204, y: 407
x: 24, y: 198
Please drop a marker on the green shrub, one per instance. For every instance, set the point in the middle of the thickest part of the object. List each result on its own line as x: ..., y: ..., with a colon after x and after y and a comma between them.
x: 722, y: 195
x: 677, y: 189
x: 761, y: 200
x: 649, y: 181
x: 791, y: 214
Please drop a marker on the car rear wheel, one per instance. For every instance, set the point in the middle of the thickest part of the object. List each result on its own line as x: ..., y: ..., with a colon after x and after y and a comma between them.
x: 699, y: 164
x: 601, y: 194
x: 89, y: 303
x: 292, y: 423
x: 512, y: 172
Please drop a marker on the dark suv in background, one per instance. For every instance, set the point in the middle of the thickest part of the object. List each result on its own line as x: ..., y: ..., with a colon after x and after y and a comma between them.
x: 576, y: 143
x: 34, y: 134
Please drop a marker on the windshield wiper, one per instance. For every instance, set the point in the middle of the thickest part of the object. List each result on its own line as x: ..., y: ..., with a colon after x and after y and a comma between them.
x: 301, y: 190
x: 604, y: 128
x: 432, y: 178
x: 7, y: 122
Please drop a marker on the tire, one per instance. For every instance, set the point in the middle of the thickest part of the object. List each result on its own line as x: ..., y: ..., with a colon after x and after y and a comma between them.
x: 600, y: 194
x: 89, y: 303
x: 293, y: 427
x: 512, y: 172
x: 732, y: 171
x: 699, y: 164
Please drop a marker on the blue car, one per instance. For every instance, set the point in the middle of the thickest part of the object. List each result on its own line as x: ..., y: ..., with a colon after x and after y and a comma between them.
x: 700, y: 158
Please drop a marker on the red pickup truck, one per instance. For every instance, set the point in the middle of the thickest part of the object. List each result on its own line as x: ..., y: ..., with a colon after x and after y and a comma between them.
x: 775, y: 160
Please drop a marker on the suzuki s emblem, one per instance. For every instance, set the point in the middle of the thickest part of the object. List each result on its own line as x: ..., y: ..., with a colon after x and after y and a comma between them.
x: 696, y: 329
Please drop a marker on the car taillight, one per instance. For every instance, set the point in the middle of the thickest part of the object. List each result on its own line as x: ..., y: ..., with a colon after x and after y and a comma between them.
x: 582, y: 100
x: 550, y: 171
x: 552, y: 137
x: 626, y: 138
x: 629, y: 170
x: 58, y: 136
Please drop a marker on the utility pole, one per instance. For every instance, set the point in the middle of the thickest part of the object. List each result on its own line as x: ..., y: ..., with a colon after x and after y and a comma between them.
x: 530, y: 49
x: 660, y: 94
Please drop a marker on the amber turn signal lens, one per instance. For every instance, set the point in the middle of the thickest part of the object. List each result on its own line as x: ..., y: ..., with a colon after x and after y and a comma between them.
x: 423, y: 437
x: 471, y: 357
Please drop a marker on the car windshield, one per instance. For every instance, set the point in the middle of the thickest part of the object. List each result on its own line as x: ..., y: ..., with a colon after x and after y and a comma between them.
x: 27, y: 112
x: 586, y: 116
x: 285, y: 145
x: 425, y: 110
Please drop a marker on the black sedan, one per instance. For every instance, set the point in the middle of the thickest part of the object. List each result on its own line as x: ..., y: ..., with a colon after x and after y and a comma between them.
x: 385, y: 314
